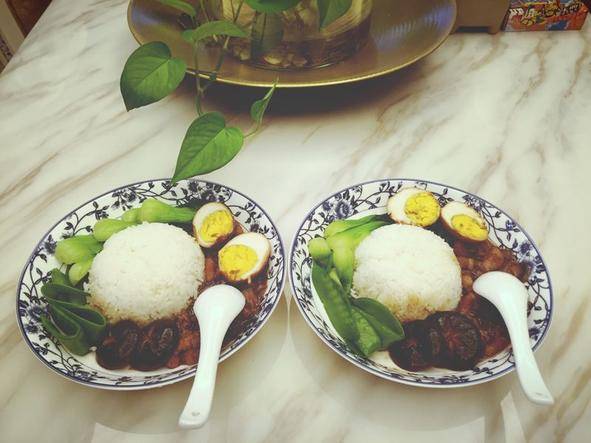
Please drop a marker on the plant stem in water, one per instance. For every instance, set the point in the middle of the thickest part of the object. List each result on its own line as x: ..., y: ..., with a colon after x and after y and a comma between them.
x: 197, y: 80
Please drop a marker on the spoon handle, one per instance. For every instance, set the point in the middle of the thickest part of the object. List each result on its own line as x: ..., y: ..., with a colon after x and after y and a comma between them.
x: 196, y: 412
x: 527, y: 369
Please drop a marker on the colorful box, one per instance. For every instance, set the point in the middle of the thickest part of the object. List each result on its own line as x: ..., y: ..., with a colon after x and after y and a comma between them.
x: 545, y: 15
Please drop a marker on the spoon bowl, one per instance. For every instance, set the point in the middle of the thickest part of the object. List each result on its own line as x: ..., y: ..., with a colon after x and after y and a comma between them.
x: 215, y: 308
x: 509, y: 295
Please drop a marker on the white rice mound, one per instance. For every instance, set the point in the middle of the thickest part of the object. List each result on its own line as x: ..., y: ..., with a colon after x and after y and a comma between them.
x: 146, y: 272
x: 411, y: 270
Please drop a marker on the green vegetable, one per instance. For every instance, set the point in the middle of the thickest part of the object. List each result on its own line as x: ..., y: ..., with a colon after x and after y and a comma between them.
x: 320, y: 251
x: 79, y: 270
x: 76, y: 249
x: 342, y: 225
x: 64, y: 293
x: 343, y: 259
x: 335, y: 303
x: 66, y: 331
x: 368, y: 341
x: 59, y: 278
x: 105, y: 228
x: 131, y: 215
x: 381, y: 314
x: 92, y: 322
x: 343, y: 246
x: 155, y: 211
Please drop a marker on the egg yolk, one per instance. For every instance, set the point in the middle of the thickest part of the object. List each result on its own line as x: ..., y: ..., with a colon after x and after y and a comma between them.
x: 422, y: 209
x: 236, y: 260
x: 469, y: 227
x: 215, y: 225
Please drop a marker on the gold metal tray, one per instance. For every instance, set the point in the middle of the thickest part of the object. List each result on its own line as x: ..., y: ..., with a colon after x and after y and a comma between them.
x: 402, y: 32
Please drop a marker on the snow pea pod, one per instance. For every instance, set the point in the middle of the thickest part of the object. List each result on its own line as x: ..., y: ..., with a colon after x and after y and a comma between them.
x: 66, y: 331
x: 59, y: 278
x: 381, y: 314
x: 335, y: 303
x: 92, y: 322
x: 368, y: 341
x: 64, y: 293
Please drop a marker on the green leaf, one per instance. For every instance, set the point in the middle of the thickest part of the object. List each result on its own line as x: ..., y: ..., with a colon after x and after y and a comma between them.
x: 150, y: 74
x: 331, y: 10
x: 209, y: 29
x: 258, y: 108
x: 266, y: 33
x: 182, y: 6
x: 207, y: 146
x: 271, y: 5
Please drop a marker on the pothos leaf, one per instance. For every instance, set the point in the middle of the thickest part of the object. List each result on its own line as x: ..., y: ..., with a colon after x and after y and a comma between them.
x: 208, y: 145
x: 266, y: 33
x: 209, y: 29
x: 271, y: 5
x: 258, y: 108
x: 182, y: 6
x: 150, y: 74
x: 331, y: 10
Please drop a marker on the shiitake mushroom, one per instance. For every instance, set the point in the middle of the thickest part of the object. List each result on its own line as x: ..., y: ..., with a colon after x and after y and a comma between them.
x: 158, y: 342
x: 118, y: 346
x: 463, y: 344
x: 445, y: 339
x: 412, y: 353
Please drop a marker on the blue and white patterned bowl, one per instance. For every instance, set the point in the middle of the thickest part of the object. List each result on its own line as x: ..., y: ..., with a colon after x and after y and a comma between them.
x: 370, y: 198
x: 85, y: 370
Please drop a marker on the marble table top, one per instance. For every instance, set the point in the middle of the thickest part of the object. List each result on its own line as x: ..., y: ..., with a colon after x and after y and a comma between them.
x: 505, y: 116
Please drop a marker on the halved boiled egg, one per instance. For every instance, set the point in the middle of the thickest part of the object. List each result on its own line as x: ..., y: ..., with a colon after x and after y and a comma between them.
x: 244, y: 256
x: 464, y: 221
x: 413, y: 206
x: 213, y: 224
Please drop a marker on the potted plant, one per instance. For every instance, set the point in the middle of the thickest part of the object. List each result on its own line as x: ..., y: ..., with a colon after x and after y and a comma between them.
x: 277, y: 34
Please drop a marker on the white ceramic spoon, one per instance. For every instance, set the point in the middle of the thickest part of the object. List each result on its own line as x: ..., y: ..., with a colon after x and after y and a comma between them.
x: 509, y: 295
x: 215, y: 309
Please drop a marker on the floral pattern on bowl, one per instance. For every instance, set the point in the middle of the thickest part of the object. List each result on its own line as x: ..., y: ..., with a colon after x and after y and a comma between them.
x: 371, y: 197
x: 85, y: 370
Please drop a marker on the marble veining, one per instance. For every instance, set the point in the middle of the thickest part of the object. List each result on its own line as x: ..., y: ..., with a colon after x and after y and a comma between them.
x: 503, y: 116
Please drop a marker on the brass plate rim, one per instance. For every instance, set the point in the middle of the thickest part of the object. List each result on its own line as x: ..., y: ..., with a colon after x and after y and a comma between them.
x: 311, y: 84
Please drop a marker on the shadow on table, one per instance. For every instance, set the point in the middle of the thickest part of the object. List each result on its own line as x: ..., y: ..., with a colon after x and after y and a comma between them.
x: 409, y: 408
x: 231, y: 99
x: 156, y: 411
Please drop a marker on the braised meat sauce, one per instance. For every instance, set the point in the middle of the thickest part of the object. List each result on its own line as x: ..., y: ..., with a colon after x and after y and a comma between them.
x: 475, y: 331
x: 175, y: 342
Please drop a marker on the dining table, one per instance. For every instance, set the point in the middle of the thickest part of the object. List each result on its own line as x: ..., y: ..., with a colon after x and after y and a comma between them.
x: 504, y: 116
